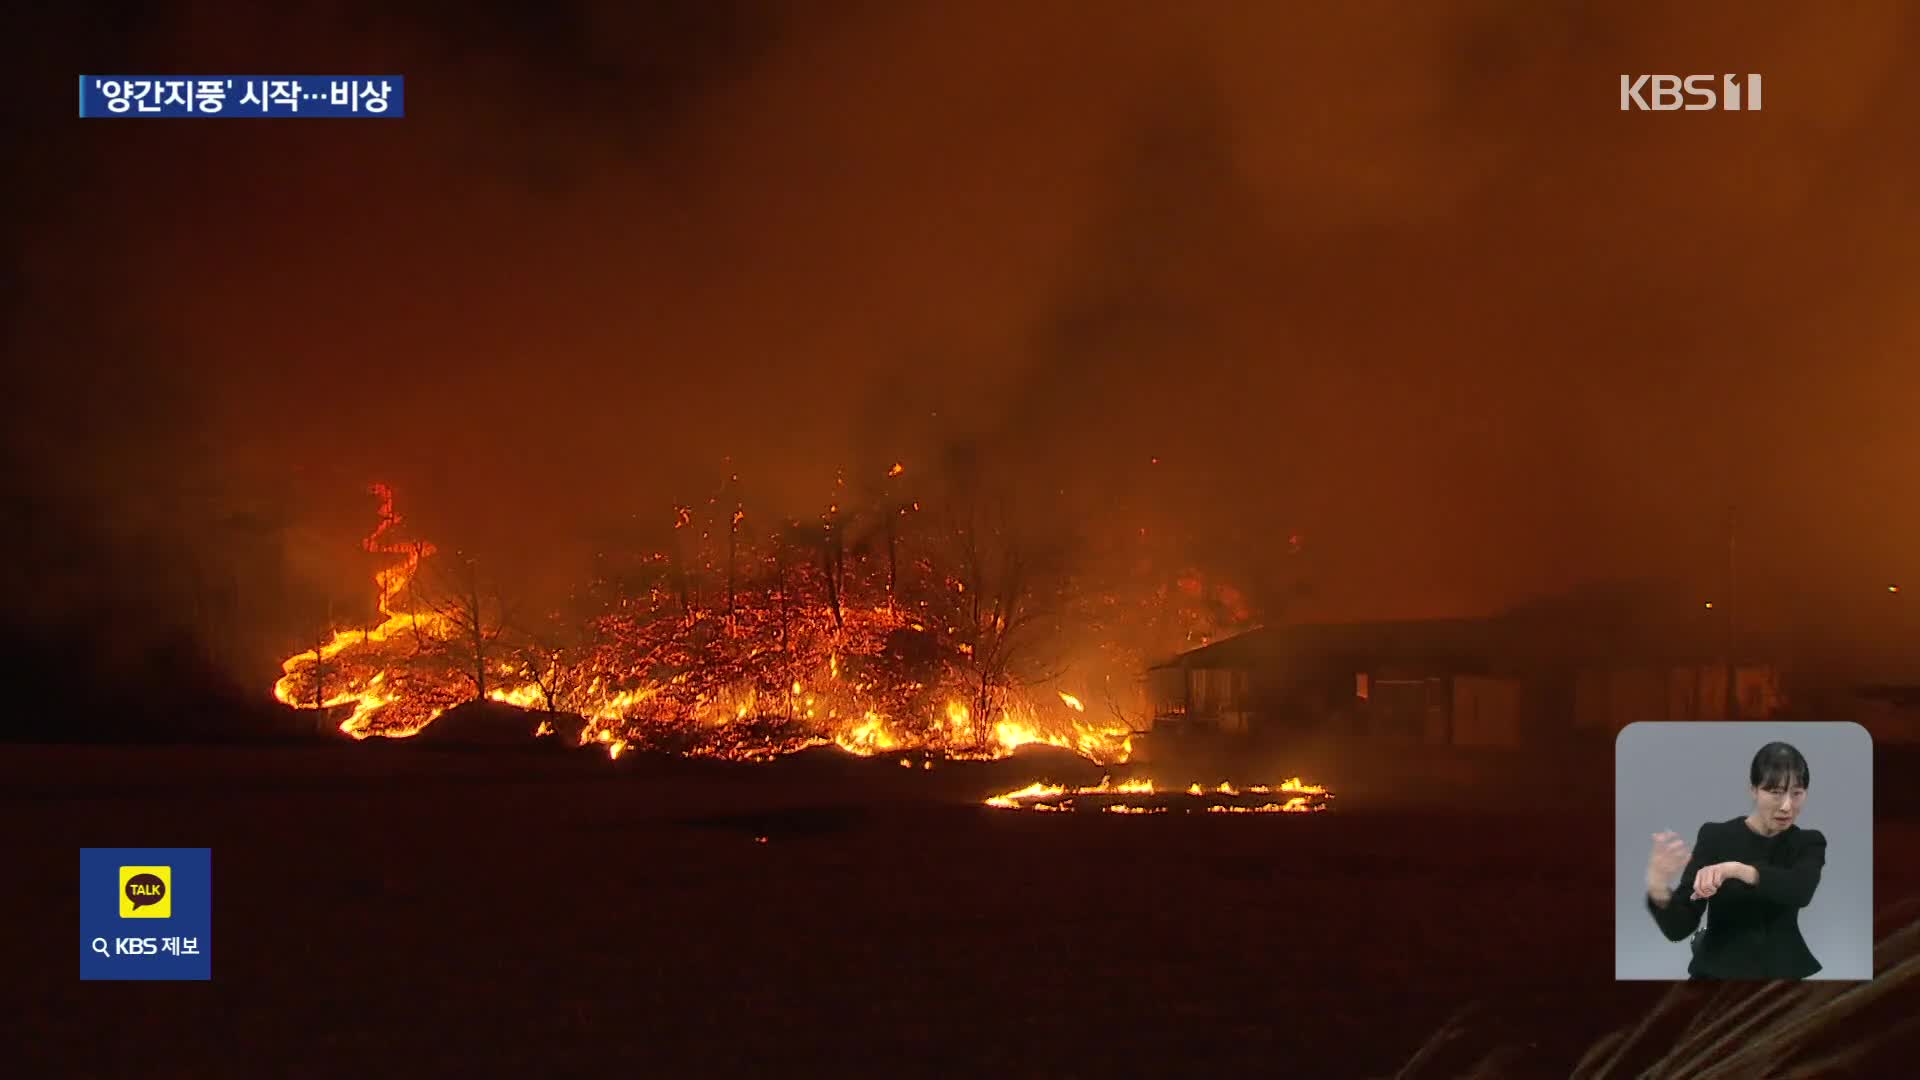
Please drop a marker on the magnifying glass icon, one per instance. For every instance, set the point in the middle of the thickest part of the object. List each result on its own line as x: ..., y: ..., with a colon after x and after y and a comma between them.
x: 100, y: 946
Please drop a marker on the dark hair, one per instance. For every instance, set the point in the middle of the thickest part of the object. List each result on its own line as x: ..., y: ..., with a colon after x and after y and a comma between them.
x: 1779, y: 765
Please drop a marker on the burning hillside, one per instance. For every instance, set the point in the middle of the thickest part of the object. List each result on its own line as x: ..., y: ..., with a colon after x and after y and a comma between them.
x: 878, y: 630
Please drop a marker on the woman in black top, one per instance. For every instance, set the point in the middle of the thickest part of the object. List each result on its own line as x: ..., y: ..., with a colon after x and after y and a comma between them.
x: 1749, y: 876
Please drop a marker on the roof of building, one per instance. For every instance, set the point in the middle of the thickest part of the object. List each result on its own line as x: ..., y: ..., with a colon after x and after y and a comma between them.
x: 1401, y: 641
x: 1597, y: 625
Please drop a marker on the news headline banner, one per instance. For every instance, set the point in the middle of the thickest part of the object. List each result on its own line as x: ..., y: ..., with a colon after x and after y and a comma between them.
x: 146, y: 913
x: 161, y: 96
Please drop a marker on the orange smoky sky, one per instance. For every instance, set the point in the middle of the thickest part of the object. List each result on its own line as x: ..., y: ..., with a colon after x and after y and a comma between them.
x: 1401, y: 278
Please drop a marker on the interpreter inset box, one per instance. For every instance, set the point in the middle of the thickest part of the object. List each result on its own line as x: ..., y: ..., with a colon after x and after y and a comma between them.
x: 1743, y: 851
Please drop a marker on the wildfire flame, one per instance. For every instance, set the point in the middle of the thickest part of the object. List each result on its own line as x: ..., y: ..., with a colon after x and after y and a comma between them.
x: 1013, y: 800
x: 375, y: 695
x: 661, y: 666
x: 1302, y: 798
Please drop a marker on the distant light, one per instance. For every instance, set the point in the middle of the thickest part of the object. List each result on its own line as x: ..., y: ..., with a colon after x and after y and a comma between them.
x: 1709, y: 603
x: 1893, y: 588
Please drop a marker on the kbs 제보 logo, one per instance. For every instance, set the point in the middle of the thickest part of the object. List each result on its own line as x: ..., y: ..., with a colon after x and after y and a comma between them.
x: 146, y: 913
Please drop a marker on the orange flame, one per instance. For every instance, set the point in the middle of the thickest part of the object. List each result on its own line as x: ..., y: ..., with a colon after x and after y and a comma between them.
x: 371, y: 697
x: 1303, y: 798
x: 727, y: 672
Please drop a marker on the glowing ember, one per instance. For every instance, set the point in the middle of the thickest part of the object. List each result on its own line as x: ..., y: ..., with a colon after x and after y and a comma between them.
x: 1299, y: 804
x: 1127, y: 798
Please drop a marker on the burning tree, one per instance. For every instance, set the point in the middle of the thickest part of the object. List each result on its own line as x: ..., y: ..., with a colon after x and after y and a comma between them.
x: 471, y: 615
x: 547, y: 657
x: 1000, y: 606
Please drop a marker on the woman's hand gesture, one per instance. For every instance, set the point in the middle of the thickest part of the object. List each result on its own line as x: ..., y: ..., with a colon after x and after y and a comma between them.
x: 1710, y: 878
x: 1665, y: 862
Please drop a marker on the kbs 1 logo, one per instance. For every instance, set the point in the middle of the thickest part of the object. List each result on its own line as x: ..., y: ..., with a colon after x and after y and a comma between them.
x: 1694, y: 93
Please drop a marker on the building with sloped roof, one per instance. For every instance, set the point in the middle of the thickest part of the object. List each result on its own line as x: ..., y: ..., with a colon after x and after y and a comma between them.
x: 1590, y: 661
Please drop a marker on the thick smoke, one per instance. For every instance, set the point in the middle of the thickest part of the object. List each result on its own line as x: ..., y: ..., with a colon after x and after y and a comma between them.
x: 1406, y: 291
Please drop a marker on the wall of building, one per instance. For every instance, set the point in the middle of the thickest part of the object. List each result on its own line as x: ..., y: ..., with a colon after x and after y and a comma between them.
x: 1404, y: 707
x: 1430, y: 706
x: 1608, y: 699
x: 1486, y: 711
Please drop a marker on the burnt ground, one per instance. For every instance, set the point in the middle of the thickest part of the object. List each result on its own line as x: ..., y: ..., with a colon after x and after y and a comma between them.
x: 404, y: 911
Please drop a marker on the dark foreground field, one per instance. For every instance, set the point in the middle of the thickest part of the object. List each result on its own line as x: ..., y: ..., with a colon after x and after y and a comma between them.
x: 405, y: 912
